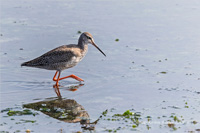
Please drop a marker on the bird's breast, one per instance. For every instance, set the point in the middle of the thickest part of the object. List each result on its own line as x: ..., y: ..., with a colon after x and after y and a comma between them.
x: 79, y: 54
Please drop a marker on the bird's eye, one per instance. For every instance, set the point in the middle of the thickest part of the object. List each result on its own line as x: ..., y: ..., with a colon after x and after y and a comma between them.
x: 89, y: 37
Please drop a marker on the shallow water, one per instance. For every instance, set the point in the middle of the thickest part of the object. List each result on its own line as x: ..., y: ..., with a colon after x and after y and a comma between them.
x: 153, y: 69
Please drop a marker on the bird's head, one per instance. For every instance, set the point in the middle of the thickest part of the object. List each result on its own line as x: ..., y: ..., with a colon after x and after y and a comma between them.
x: 87, y: 38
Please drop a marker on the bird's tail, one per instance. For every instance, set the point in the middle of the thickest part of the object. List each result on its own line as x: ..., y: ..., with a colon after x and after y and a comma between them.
x: 25, y: 64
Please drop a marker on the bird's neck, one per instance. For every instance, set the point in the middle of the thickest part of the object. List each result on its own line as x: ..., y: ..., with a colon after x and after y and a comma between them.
x: 82, y: 43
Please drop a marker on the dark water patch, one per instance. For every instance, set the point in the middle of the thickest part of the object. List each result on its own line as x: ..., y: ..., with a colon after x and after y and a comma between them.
x: 174, y: 107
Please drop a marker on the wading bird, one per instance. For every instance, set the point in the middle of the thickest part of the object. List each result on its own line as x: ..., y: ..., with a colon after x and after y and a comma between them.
x: 64, y: 57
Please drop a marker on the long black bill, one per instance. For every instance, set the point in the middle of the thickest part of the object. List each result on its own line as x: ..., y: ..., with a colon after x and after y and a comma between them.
x: 98, y: 48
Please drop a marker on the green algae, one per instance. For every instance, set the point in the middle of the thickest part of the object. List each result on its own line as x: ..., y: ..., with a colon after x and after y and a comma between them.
x: 117, y: 40
x: 19, y: 113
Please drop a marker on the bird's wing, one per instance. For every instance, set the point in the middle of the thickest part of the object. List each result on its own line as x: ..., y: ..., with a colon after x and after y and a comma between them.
x: 57, y: 55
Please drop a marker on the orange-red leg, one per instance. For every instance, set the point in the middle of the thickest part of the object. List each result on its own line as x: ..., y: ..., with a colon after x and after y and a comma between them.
x: 70, y: 76
x: 54, y: 78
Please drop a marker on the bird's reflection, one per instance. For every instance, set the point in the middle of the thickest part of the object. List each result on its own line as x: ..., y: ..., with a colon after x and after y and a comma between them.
x: 69, y: 88
x: 67, y: 110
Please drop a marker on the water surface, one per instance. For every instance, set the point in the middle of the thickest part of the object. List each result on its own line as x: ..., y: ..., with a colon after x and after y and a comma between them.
x: 153, y: 69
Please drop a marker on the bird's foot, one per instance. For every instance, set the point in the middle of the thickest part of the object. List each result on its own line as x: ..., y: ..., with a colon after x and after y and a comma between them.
x: 76, y: 77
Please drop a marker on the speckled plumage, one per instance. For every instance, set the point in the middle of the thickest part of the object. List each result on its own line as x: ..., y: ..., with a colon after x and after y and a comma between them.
x: 60, y: 58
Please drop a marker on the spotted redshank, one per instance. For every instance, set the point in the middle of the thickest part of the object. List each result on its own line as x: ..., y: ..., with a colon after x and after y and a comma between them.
x: 64, y: 57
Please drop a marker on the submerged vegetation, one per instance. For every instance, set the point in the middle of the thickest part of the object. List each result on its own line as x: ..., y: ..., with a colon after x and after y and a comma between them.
x: 79, y: 32
x: 128, y: 120
x: 12, y: 112
x: 117, y: 40
x: 135, y: 121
